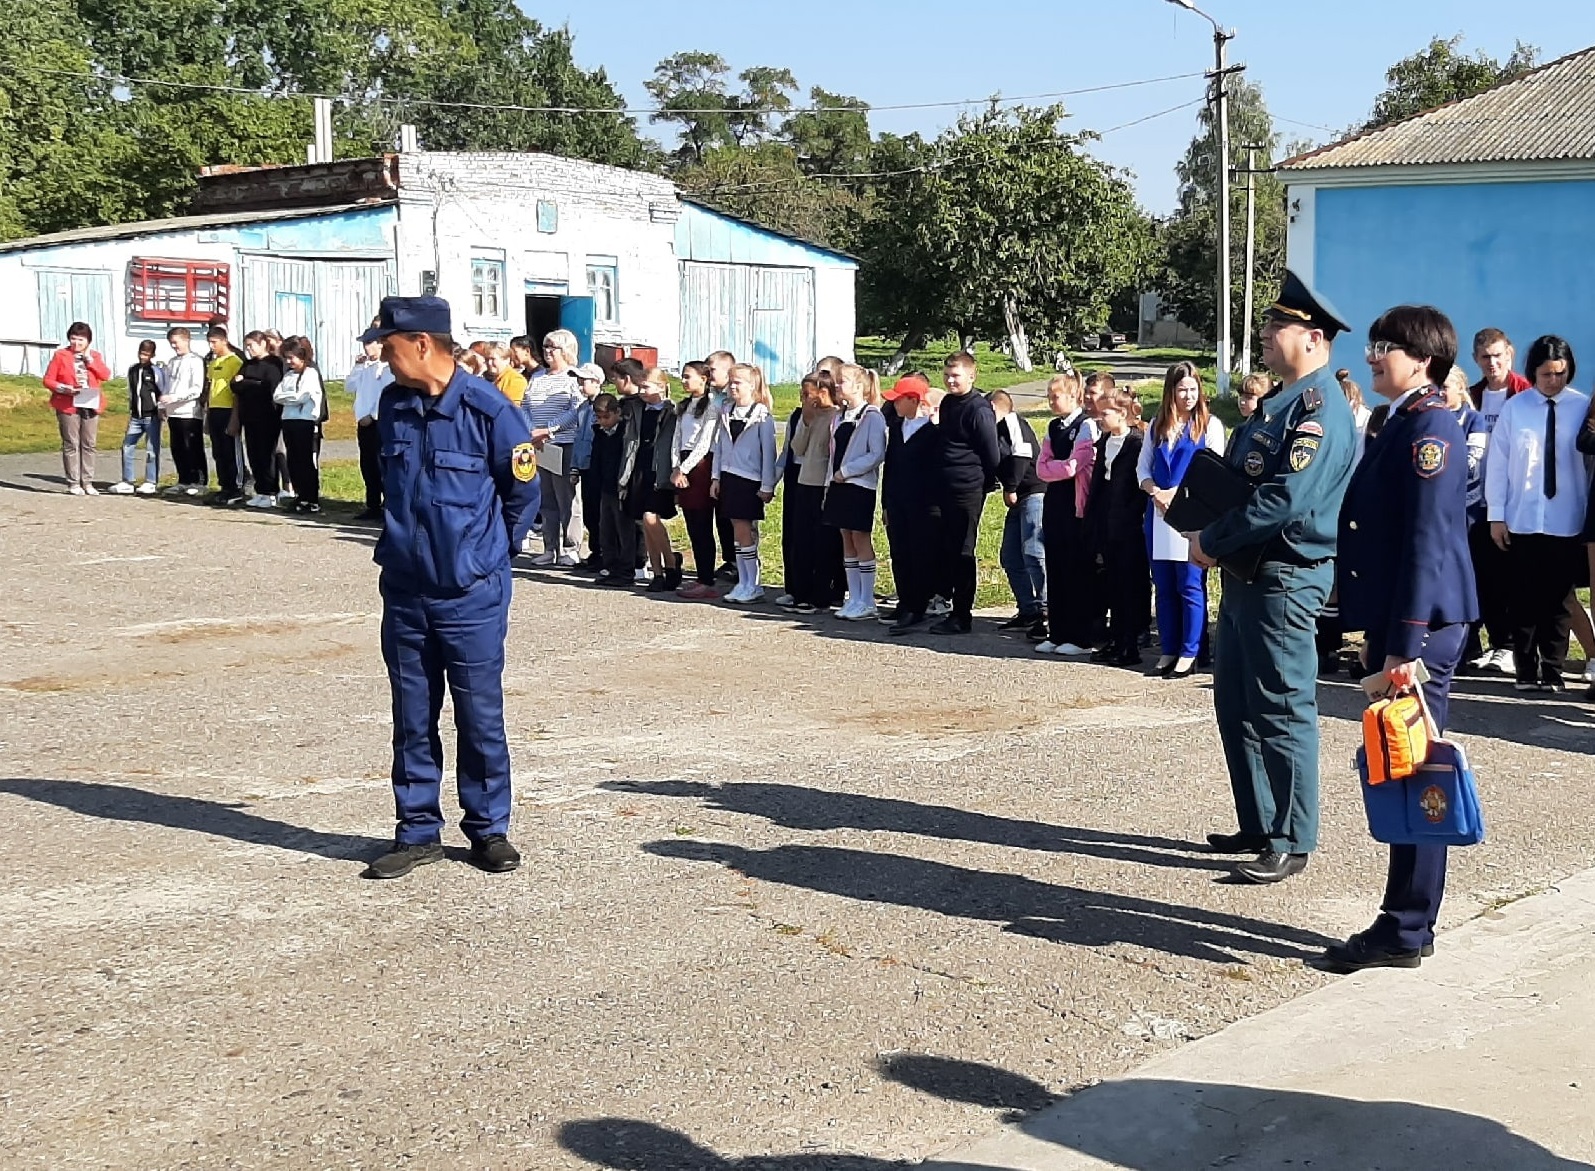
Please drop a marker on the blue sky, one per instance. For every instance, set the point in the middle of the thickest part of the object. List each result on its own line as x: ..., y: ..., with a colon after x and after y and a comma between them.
x: 1322, y: 66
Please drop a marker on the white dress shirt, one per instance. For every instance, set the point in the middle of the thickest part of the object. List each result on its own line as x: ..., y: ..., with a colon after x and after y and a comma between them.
x: 1514, y: 470
x: 366, y: 382
x: 1168, y: 545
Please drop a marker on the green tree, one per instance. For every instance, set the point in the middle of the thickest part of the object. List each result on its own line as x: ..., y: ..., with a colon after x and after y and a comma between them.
x: 831, y: 138
x: 766, y: 91
x: 1442, y: 73
x: 691, y: 92
x: 765, y: 183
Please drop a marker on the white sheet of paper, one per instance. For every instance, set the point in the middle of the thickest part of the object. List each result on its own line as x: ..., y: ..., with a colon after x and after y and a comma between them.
x: 552, y: 459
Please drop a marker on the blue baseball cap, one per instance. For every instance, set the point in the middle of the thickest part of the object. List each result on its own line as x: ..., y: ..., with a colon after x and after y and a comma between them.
x: 410, y: 315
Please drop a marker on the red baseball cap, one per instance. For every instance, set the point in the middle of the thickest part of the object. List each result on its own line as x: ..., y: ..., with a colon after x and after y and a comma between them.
x: 912, y: 386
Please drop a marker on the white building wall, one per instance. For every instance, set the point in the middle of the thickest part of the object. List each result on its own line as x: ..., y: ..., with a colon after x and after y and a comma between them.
x: 455, y: 206
x: 835, y: 314
x: 1301, y: 228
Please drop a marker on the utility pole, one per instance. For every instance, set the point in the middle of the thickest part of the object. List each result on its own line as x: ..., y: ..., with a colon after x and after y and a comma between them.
x: 1220, y: 99
x: 1251, y: 258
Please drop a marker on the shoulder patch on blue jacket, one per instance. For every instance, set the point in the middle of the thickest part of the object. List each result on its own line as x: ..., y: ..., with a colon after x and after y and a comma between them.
x: 1429, y: 455
x: 1312, y: 398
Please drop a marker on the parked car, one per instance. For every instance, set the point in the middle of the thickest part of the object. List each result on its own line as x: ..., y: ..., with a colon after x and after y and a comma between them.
x: 1107, y: 339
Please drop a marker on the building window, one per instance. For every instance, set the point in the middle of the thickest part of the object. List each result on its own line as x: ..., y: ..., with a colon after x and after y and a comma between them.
x: 177, y: 290
x: 487, y: 286
x: 603, y: 281
x: 547, y: 216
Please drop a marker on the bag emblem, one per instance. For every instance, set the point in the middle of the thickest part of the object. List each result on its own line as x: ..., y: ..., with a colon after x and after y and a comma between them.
x: 1434, y: 804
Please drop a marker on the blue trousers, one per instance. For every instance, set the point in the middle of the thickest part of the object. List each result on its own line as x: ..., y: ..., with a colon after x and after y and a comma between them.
x: 1415, y: 881
x: 1181, y: 606
x: 150, y: 431
x: 426, y: 642
x: 1023, y: 556
x: 1265, y: 697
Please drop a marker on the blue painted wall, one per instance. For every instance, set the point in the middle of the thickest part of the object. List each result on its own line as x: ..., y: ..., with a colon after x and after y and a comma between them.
x: 367, y: 230
x: 1517, y: 256
x: 707, y: 236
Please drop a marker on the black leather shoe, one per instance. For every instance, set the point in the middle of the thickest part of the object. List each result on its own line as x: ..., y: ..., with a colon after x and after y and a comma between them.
x: 1359, y: 952
x: 1014, y: 623
x: 402, y: 859
x: 952, y: 625
x: 905, y: 624
x: 495, y: 855
x: 1037, y: 631
x: 1103, y: 654
x: 1176, y: 673
x: 1127, y: 659
x: 1271, y: 866
x: 1237, y: 843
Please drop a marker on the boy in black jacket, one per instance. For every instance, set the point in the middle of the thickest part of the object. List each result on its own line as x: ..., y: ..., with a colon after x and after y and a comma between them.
x: 1023, y: 556
x: 617, y: 532
x: 968, y: 429
x: 910, y: 481
x: 144, y: 380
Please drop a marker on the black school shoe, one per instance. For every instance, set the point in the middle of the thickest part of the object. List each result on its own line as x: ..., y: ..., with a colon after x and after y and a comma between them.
x: 1360, y: 952
x: 952, y: 624
x: 905, y: 624
x: 1037, y: 631
x: 1271, y: 866
x: 726, y: 572
x: 402, y: 859
x: 1017, y: 622
x: 495, y: 855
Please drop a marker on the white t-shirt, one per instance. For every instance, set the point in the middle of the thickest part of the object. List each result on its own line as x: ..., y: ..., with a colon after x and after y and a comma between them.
x: 1493, y: 401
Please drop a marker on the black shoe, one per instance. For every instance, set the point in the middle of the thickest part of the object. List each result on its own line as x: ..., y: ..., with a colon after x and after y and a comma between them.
x: 905, y: 624
x: 661, y: 584
x: 306, y: 507
x: 1328, y: 666
x: 495, y: 855
x: 726, y: 572
x: 1103, y: 654
x: 1126, y: 659
x: 1360, y: 952
x: 1185, y: 674
x: 368, y: 514
x: 1015, y: 622
x: 1272, y: 866
x: 402, y: 859
x: 952, y: 625
x: 1237, y: 843
x: 1037, y: 631
x: 617, y: 581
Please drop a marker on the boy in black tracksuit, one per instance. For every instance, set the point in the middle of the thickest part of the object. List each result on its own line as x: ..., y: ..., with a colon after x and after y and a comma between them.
x: 617, y: 540
x: 910, y: 481
x: 968, y: 429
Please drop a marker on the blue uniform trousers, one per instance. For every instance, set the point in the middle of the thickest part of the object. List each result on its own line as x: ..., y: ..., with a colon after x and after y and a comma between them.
x: 425, y: 642
x: 1265, y: 697
x: 1181, y: 607
x: 1415, y: 882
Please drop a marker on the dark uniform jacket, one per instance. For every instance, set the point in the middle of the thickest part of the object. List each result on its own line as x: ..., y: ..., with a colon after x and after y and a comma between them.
x: 1114, y: 512
x: 460, y: 478
x: 1404, y: 562
x: 1297, y: 449
x: 968, y: 428
x: 911, y: 474
x: 1017, y: 473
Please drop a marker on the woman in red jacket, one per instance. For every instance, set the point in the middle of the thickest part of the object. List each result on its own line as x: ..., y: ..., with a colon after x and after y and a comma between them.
x: 73, y: 379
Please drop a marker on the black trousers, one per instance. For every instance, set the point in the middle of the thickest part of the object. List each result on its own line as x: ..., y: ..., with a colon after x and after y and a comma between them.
x: 371, y: 463
x: 960, y: 527
x: 1541, y: 571
x: 1071, y: 572
x: 809, y: 547
x: 592, y: 504
x: 1492, y: 571
x: 262, y: 423
x: 617, y: 537
x: 188, y: 450
x: 913, y: 534
x: 224, y: 448
x: 1128, y: 581
x: 302, y: 438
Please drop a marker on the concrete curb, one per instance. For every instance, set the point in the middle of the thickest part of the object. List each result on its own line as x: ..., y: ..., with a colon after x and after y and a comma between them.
x: 1485, y: 1058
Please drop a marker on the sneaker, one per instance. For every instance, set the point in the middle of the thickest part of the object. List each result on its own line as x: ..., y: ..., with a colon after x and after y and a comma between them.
x: 495, y: 855
x: 939, y: 608
x: 845, y: 610
x: 193, y: 490
x: 864, y: 613
x: 886, y: 599
x: 1522, y: 686
x: 545, y: 559
x: 90, y: 490
x: 726, y: 572
x: 642, y: 576
x: 121, y: 488
x: 1069, y: 648
x: 696, y: 591
x: 261, y: 502
x: 736, y: 595
x: 305, y: 507
x: 1046, y: 648
x: 1483, y: 662
x: 568, y: 561
x: 1589, y: 672
x: 785, y: 601
x: 402, y: 859
x: 147, y: 488
x: 1503, y: 661
x: 173, y: 490
x: 803, y: 608
x: 1554, y: 685
x: 952, y: 625
x: 1017, y: 622
x: 1037, y: 631
x: 76, y: 490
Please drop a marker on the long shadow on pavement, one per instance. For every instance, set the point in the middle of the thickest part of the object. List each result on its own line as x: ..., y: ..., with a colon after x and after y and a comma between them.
x: 1136, y: 1124
x: 1027, y: 906
x: 799, y: 807
x: 127, y: 803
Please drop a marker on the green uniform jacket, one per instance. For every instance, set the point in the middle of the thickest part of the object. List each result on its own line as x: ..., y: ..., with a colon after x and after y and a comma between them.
x: 1298, y: 449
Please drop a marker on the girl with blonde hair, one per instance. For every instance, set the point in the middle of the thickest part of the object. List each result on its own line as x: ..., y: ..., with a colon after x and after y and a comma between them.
x: 857, y: 447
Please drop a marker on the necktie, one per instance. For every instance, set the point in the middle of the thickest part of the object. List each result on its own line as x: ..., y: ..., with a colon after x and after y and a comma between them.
x: 1550, y: 449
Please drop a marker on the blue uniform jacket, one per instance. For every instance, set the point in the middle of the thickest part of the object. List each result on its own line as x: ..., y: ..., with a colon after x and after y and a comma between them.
x: 1297, y: 449
x: 460, y: 479
x: 1404, y: 562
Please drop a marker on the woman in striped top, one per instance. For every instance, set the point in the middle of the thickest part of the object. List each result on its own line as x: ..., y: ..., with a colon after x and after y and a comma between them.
x: 550, y: 404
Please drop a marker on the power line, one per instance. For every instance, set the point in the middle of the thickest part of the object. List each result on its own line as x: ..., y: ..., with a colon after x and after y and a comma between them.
x: 377, y: 99
x: 1160, y: 114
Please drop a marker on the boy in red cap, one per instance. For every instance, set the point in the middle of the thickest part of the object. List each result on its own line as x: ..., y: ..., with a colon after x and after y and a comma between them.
x: 908, y: 497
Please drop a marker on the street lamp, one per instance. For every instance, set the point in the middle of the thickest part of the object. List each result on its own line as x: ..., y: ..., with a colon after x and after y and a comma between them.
x: 1221, y: 40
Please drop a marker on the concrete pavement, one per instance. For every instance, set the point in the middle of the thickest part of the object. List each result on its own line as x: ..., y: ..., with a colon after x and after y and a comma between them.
x: 1484, y: 1058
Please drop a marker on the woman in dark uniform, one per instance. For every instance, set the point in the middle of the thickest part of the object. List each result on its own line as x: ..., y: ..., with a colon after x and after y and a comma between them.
x: 1406, y: 581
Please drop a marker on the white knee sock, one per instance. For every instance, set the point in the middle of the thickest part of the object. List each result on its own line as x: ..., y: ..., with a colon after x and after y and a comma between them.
x: 866, y: 583
x: 851, y: 568
x: 748, y: 566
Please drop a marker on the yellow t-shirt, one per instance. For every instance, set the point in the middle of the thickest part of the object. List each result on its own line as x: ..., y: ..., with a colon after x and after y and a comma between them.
x: 221, y: 372
x: 513, y: 383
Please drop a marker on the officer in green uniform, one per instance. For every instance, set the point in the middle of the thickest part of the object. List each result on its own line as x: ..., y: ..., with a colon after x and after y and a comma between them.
x: 1297, y: 452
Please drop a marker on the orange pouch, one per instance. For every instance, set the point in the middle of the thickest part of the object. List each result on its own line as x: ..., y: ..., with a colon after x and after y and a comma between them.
x: 1396, y: 738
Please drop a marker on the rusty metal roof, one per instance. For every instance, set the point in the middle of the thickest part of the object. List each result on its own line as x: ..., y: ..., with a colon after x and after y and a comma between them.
x: 1547, y: 114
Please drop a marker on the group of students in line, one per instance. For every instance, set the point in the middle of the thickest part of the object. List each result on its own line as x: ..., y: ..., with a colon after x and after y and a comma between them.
x: 262, y: 407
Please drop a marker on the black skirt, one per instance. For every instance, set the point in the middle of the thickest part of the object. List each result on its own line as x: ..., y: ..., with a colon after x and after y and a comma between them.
x: 850, y: 507
x: 739, y: 498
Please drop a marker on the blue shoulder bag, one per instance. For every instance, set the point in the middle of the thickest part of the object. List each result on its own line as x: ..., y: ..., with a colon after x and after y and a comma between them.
x: 1437, y: 806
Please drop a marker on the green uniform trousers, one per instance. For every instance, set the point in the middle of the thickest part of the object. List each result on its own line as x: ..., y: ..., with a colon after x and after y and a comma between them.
x: 1265, y: 696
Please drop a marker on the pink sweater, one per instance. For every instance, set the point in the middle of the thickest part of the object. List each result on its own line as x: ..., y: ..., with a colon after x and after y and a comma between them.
x: 1076, y: 467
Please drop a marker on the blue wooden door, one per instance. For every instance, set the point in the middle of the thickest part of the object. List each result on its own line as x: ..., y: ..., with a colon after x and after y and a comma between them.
x: 578, y: 314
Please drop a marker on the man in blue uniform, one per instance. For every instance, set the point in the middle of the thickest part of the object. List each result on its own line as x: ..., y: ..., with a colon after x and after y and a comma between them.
x: 459, y: 478
x: 1406, y: 580
x: 1296, y: 451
